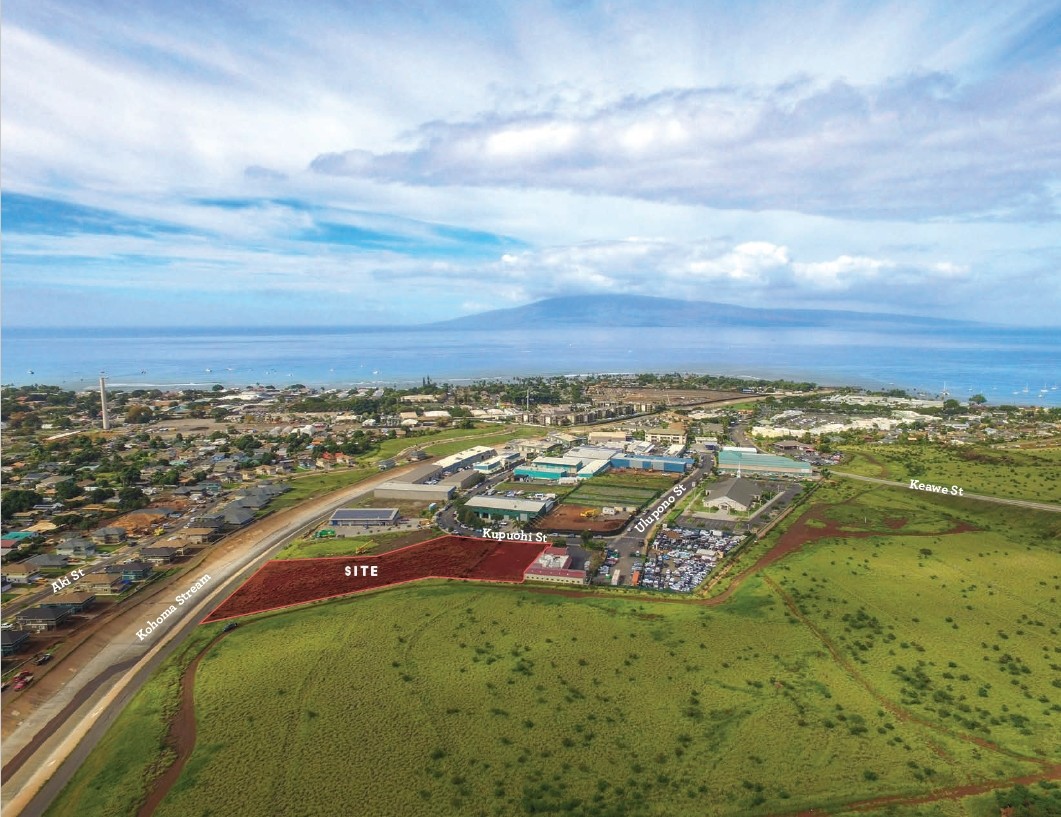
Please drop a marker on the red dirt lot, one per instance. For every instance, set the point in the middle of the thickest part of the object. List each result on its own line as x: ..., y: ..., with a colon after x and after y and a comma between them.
x: 569, y: 519
x: 284, y: 583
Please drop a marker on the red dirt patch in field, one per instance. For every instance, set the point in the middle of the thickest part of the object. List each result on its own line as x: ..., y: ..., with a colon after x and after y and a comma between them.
x: 289, y: 582
x: 569, y: 519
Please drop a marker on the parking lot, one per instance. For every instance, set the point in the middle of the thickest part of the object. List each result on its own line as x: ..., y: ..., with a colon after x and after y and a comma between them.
x: 681, y: 558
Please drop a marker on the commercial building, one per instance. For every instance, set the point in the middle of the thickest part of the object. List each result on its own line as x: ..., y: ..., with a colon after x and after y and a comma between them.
x: 465, y: 459
x: 554, y: 565
x: 500, y: 507
x: 499, y: 463
x: 462, y: 479
x: 608, y: 437
x: 670, y: 435
x: 414, y: 491
x: 737, y: 494
x: 741, y: 462
x: 671, y: 465
x: 363, y: 517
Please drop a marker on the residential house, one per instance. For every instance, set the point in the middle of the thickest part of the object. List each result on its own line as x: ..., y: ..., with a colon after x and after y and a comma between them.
x: 76, y: 547
x: 237, y: 516
x: 101, y: 584
x: 21, y: 573
x: 11, y: 641
x: 41, y: 618
x: 108, y: 535
x: 158, y: 555
x: 130, y: 571
x: 46, y: 560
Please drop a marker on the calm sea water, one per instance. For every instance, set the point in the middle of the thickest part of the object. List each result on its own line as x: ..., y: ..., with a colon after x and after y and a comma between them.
x: 1006, y: 365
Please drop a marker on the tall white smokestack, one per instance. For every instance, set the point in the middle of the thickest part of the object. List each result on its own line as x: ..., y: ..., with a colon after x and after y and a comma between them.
x: 103, y: 402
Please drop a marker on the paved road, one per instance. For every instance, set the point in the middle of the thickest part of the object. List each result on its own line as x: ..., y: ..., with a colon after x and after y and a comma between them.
x: 999, y: 500
x: 57, y: 746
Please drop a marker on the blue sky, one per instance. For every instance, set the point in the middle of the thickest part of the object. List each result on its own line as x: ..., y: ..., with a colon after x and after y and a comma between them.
x: 203, y: 162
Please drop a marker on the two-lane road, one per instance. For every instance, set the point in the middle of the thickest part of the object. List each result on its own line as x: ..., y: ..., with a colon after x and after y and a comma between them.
x: 998, y: 500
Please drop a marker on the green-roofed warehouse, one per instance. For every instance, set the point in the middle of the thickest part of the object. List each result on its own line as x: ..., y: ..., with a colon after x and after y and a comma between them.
x: 730, y: 462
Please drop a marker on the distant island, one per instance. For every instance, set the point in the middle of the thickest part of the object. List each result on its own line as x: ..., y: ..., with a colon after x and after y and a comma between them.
x: 646, y: 310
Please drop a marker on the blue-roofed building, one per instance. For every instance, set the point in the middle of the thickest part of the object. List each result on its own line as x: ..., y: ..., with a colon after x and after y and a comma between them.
x: 670, y: 465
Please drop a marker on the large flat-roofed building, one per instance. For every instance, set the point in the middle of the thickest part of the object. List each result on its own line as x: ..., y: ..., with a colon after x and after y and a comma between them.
x: 591, y: 468
x: 608, y: 437
x: 554, y: 565
x: 531, y: 446
x: 500, y: 507
x: 462, y: 479
x: 363, y: 517
x: 413, y: 485
x: 413, y: 491
x: 465, y: 459
x: 670, y: 435
x: 551, y: 468
x: 498, y: 463
x: 671, y: 465
x: 595, y: 452
x: 421, y: 473
x: 744, y: 463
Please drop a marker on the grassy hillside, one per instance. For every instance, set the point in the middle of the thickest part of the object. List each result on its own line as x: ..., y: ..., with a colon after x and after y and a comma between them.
x: 907, y: 646
x: 1033, y: 474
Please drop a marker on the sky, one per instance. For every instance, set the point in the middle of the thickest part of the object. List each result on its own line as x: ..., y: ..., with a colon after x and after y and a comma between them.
x: 238, y: 163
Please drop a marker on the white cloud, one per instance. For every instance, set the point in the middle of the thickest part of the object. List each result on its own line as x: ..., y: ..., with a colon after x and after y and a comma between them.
x: 916, y: 146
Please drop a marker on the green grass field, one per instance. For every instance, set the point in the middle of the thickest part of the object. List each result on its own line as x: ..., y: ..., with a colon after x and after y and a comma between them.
x: 1033, y: 474
x: 915, y: 650
x: 470, y: 705
x: 963, y: 627
x: 353, y: 545
x: 599, y: 495
x: 114, y: 779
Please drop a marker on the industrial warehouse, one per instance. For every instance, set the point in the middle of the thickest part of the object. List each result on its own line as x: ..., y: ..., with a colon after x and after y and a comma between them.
x: 500, y: 507
x: 437, y: 481
x: 589, y: 461
x: 744, y: 461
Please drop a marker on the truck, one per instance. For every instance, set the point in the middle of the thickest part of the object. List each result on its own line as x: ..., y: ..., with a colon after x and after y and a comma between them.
x: 635, y: 579
x: 616, y: 578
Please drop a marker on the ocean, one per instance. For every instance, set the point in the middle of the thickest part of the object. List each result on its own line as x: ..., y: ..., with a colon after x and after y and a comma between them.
x: 1006, y: 365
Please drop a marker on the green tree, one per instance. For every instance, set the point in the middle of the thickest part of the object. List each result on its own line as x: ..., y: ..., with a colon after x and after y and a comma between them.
x: 18, y: 501
x: 139, y: 414
x: 131, y: 498
x: 67, y: 489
